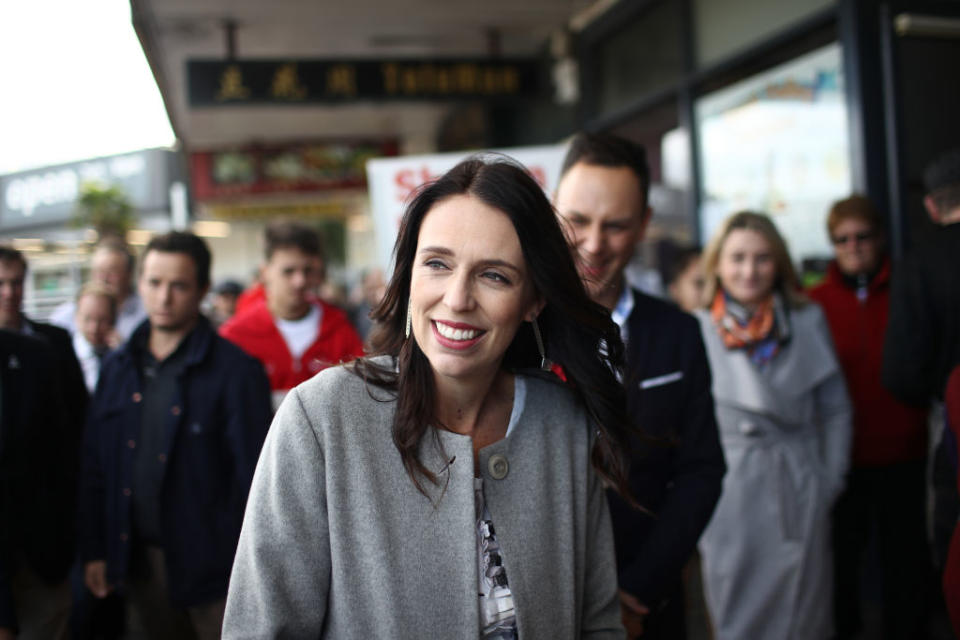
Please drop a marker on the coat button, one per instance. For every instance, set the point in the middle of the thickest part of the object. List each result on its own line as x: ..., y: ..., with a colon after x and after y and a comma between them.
x: 175, y: 410
x: 127, y: 492
x: 498, y: 467
x: 123, y: 537
x: 751, y: 429
x: 162, y: 457
x: 131, y: 444
x: 136, y: 397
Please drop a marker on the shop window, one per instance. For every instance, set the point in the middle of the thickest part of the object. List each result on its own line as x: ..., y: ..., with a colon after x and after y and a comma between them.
x: 671, y: 191
x: 667, y: 146
x: 643, y: 57
x: 724, y: 27
x: 777, y: 142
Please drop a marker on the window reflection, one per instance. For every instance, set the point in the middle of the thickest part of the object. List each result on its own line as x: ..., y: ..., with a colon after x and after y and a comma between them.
x: 777, y: 142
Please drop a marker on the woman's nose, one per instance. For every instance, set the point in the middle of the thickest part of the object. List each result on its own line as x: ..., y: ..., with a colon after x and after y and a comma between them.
x: 459, y: 296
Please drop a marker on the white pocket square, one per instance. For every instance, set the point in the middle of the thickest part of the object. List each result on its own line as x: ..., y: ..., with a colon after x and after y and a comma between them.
x: 659, y: 381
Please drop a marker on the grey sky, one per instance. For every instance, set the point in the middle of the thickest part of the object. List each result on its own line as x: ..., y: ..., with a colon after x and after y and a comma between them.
x: 74, y: 84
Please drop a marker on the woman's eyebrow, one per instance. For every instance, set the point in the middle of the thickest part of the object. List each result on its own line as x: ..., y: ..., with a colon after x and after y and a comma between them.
x: 492, y: 262
x: 440, y: 250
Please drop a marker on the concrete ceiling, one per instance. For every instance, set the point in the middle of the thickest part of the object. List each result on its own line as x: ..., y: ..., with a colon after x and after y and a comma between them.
x: 174, y: 31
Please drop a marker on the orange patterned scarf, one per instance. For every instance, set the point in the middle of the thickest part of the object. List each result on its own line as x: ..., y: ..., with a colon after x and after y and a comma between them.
x: 760, y: 332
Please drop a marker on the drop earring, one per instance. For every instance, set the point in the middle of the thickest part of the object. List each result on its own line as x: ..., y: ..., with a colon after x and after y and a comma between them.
x: 545, y: 363
x: 409, y: 320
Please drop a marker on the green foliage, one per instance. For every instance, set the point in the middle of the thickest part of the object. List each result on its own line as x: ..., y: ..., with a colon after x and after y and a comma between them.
x: 107, y: 210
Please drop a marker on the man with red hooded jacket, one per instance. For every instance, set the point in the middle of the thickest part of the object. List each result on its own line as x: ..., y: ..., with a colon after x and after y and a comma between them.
x: 292, y: 333
x: 885, y: 491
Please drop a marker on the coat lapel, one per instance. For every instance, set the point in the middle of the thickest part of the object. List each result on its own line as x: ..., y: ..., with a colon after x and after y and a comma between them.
x: 805, y: 362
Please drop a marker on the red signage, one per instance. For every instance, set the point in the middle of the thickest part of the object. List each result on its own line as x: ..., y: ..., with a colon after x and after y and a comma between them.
x: 294, y: 167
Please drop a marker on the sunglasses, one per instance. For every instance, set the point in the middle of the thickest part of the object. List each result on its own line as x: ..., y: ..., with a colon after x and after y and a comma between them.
x: 859, y: 238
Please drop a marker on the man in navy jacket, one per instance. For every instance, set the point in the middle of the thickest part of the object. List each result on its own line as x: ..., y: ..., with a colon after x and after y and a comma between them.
x: 37, y: 489
x: 173, y: 436
x: 677, y: 465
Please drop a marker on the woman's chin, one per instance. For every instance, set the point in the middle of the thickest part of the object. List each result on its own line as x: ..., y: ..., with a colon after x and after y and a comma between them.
x: 751, y: 296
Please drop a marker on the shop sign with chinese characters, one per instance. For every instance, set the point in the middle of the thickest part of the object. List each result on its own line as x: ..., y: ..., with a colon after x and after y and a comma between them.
x: 214, y: 83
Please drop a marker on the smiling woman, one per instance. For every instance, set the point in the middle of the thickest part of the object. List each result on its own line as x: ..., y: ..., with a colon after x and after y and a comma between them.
x: 446, y: 486
x: 469, y: 290
x: 784, y: 420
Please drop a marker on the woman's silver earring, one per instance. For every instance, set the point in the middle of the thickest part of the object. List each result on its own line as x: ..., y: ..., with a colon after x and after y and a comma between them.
x: 545, y: 362
x: 409, y: 320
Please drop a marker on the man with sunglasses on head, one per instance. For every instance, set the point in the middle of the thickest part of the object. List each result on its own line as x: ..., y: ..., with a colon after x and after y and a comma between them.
x: 885, y: 490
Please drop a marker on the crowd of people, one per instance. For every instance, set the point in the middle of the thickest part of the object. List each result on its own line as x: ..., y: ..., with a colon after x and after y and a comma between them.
x: 504, y: 439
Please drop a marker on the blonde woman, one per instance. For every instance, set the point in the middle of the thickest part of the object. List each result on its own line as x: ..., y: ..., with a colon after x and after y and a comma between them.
x: 784, y: 420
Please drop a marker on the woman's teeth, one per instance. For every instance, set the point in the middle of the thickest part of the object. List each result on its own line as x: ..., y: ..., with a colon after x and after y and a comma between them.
x: 456, y: 334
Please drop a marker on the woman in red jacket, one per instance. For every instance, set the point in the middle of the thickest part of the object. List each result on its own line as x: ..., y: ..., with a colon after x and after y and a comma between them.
x: 885, y: 491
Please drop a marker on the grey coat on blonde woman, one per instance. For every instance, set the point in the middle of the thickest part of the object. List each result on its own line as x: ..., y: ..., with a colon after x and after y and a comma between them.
x: 338, y: 543
x: 785, y: 430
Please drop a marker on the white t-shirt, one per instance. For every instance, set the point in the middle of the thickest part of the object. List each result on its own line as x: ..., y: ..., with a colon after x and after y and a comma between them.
x: 300, y: 334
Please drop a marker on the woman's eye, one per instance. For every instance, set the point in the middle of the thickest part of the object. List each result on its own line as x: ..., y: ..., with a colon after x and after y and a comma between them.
x: 496, y: 277
x: 434, y: 264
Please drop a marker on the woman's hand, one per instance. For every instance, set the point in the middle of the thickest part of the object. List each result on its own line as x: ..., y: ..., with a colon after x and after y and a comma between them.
x: 633, y: 614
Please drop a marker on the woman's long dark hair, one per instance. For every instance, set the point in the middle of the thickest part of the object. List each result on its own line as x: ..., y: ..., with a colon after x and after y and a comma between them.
x: 578, y: 334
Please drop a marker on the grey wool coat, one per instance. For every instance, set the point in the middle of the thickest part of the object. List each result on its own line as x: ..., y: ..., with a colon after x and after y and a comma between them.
x: 785, y: 430
x: 338, y: 543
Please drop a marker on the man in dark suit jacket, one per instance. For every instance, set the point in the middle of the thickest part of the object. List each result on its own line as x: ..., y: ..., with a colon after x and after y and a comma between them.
x: 36, y: 492
x: 677, y: 464
x: 70, y: 393
x: 13, y: 271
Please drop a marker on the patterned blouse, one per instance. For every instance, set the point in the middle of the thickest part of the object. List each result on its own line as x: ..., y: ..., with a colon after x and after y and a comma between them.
x: 498, y: 620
